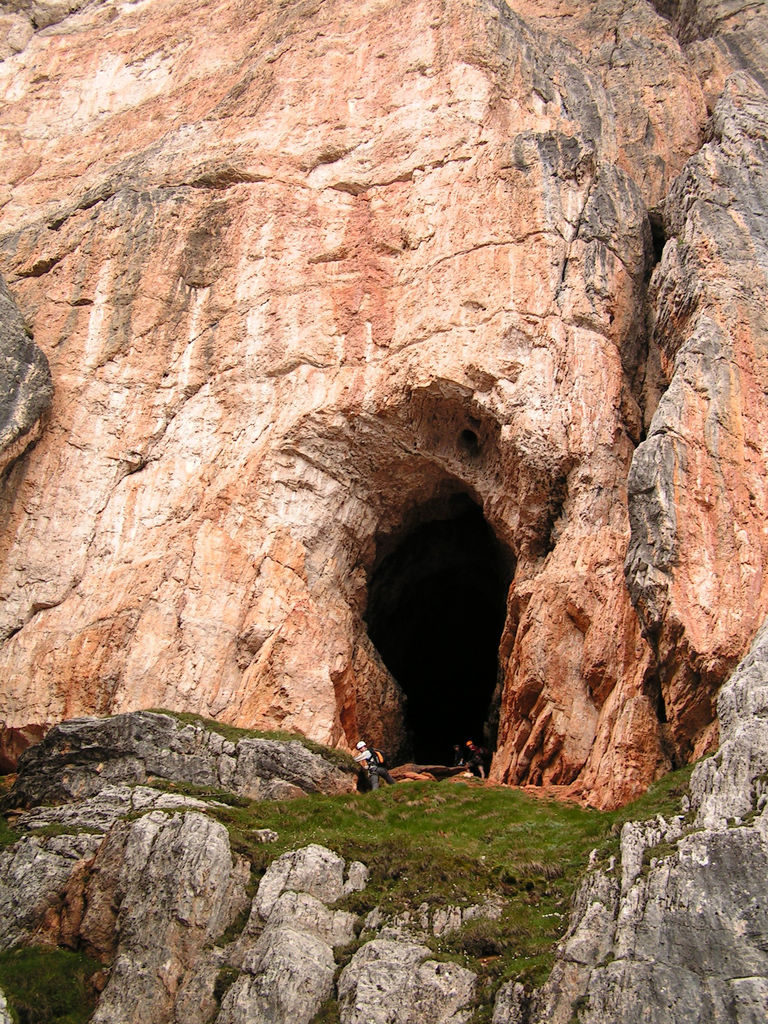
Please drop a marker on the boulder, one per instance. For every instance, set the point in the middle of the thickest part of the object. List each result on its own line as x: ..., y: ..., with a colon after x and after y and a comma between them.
x: 287, y: 977
x: 392, y: 981
x: 312, y: 869
x: 78, y: 758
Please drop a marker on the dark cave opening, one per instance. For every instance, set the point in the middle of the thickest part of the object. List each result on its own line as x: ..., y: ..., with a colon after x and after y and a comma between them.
x: 658, y: 234
x: 436, y: 610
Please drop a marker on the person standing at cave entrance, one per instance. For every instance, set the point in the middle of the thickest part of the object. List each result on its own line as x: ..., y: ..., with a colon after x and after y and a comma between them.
x: 374, y: 762
x: 475, y: 759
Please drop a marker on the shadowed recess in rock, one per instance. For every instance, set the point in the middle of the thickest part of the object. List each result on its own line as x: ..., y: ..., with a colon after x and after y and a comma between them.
x: 435, y: 612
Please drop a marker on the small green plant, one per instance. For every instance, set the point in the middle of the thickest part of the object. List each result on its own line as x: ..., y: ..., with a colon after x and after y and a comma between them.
x: 48, y: 986
x: 328, y: 1013
x: 8, y: 835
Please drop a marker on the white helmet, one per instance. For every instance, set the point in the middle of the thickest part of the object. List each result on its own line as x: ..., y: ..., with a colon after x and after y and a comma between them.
x: 361, y: 745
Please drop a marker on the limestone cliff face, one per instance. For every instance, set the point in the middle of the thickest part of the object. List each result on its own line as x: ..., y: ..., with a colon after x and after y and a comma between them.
x: 310, y: 275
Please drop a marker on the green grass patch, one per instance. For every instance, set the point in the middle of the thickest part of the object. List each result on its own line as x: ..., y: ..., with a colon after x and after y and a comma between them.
x: 455, y: 844
x: 226, y: 977
x: 8, y: 835
x: 48, y: 986
x: 234, y: 734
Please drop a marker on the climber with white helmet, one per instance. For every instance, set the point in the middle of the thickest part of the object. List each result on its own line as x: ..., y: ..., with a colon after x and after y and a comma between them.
x: 374, y: 762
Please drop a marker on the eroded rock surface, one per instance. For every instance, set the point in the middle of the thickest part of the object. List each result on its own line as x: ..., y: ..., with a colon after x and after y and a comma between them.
x: 25, y: 383
x: 306, y: 274
x: 682, y: 933
x: 395, y: 980
x: 34, y: 875
x: 88, y: 756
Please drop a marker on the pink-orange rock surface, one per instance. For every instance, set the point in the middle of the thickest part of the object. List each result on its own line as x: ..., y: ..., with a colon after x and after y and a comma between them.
x: 310, y: 275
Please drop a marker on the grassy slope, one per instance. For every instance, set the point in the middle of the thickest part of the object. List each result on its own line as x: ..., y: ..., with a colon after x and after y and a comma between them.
x: 48, y: 986
x: 452, y: 844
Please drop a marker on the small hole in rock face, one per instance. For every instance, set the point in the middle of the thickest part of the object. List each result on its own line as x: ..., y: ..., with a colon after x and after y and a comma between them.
x: 469, y: 442
x: 658, y: 234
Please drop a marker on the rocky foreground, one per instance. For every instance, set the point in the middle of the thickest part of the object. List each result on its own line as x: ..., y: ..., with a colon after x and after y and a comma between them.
x: 676, y: 931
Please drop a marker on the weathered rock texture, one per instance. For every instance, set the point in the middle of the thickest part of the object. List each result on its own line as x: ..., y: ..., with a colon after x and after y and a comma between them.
x: 84, y: 757
x: 25, y: 383
x: 306, y: 272
x: 682, y: 934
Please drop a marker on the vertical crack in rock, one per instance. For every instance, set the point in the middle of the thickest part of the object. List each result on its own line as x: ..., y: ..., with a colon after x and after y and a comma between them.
x: 695, y: 481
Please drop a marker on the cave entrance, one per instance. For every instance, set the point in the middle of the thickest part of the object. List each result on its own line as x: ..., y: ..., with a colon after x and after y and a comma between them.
x: 436, y: 610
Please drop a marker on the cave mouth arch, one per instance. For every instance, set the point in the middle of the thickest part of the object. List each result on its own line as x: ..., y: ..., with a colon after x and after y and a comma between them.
x: 435, y: 613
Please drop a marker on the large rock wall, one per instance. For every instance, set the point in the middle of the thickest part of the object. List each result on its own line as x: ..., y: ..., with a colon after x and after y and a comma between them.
x: 280, y: 258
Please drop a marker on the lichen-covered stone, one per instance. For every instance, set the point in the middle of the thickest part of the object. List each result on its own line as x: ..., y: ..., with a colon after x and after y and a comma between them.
x: 392, y: 981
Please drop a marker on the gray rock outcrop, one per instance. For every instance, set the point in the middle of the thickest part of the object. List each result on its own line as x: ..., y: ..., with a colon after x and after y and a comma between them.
x: 166, y: 887
x: 390, y: 981
x: 25, y: 382
x: 289, y: 973
x: 733, y: 785
x: 312, y: 870
x: 34, y: 875
x: 78, y: 758
x: 681, y: 934
x: 98, y: 813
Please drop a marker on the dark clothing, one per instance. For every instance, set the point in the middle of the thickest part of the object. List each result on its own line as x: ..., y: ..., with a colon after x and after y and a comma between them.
x: 476, y: 759
x: 376, y: 772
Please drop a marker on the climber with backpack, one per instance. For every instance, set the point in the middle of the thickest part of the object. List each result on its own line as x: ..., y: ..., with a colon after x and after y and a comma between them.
x: 374, y: 762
